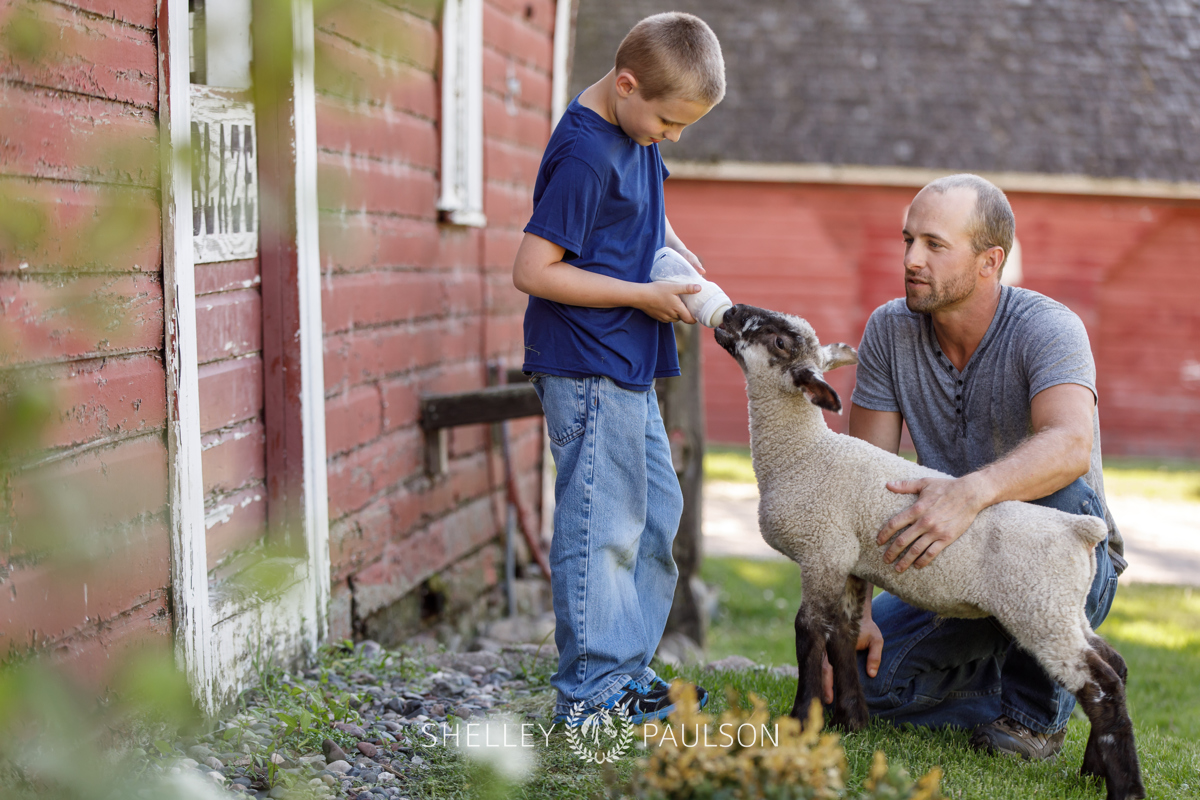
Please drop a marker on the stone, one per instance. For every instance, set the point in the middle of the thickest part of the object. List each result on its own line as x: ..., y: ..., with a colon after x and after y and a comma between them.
x: 277, y: 758
x: 187, y: 763
x: 354, y: 730
x: 279, y: 790
x: 214, y: 763
x: 199, y: 752
x: 462, y: 712
x: 787, y: 672
x: 367, y: 749
x: 391, y: 726
x: 242, y: 782
x: 215, y: 777
x: 731, y: 664
x: 332, y: 752
x: 678, y: 650
x: 341, y: 767
x: 369, y: 648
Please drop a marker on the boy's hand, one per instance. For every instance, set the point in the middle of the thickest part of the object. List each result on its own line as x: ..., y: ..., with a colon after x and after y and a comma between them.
x: 661, y: 300
x: 690, y: 257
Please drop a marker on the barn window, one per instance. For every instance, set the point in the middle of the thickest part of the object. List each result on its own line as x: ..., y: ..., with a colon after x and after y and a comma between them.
x: 461, y: 202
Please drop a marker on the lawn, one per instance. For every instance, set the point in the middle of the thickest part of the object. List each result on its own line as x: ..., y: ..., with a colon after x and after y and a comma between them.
x: 1156, y: 629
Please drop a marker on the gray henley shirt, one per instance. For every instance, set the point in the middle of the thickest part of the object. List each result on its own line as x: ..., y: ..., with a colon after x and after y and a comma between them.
x: 963, y: 421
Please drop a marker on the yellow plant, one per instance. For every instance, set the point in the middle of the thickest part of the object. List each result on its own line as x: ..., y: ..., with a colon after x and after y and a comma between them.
x: 747, y: 755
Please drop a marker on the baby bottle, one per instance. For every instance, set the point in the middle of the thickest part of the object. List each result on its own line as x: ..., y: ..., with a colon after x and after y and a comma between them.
x: 708, y: 305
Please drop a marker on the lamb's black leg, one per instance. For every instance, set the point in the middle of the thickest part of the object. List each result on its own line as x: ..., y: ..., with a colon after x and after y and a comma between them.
x: 1111, y: 752
x: 1110, y: 656
x: 810, y: 644
x: 849, y: 704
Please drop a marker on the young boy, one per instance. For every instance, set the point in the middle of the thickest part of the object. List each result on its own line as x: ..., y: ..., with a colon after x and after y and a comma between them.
x: 597, y: 334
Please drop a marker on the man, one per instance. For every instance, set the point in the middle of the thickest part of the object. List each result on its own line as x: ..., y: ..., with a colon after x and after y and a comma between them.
x: 998, y: 388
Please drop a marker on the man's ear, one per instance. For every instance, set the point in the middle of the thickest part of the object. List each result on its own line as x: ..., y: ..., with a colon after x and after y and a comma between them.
x: 837, y: 355
x: 819, y: 392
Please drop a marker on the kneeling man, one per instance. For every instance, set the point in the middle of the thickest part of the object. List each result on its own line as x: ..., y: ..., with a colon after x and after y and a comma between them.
x: 997, y: 386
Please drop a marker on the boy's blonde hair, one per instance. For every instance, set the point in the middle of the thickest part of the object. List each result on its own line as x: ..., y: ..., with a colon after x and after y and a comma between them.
x: 674, y: 54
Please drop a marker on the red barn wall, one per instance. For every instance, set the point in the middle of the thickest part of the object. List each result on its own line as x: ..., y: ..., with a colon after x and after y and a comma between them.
x: 832, y: 254
x: 84, y: 544
x: 412, y: 305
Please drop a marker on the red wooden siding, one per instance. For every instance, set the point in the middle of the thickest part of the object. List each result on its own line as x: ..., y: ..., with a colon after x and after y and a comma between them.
x: 411, y: 305
x: 229, y: 330
x: 84, y: 566
x: 832, y: 254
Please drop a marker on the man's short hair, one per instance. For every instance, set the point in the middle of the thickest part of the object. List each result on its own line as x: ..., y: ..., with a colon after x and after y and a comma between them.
x: 993, y: 224
x: 674, y: 54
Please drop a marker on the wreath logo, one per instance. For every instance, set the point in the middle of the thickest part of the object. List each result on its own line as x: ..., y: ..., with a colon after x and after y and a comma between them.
x: 601, y: 736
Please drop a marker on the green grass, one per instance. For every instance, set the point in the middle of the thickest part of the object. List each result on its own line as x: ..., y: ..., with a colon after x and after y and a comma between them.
x: 1155, y: 628
x: 1177, y: 481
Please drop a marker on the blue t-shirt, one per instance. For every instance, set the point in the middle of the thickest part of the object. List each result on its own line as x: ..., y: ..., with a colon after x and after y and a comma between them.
x: 599, y: 195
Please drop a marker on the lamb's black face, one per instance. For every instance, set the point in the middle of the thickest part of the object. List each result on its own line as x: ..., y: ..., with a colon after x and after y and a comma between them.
x: 784, y: 339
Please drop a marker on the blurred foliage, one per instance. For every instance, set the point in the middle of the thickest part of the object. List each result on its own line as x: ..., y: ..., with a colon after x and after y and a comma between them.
x: 782, y: 761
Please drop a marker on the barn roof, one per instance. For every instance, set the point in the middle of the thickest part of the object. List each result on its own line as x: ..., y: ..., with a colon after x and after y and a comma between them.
x: 1078, y: 87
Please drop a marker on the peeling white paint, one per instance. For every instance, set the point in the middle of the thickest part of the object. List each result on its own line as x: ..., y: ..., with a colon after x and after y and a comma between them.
x: 1190, y: 372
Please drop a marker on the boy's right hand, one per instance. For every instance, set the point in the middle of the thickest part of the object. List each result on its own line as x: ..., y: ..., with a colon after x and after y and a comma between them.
x: 661, y: 300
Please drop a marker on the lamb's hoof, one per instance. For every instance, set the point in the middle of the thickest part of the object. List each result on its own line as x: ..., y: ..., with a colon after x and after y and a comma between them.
x: 849, y: 720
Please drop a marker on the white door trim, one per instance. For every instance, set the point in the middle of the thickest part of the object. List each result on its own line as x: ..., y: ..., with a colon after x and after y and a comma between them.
x: 312, y: 343
x: 189, y: 570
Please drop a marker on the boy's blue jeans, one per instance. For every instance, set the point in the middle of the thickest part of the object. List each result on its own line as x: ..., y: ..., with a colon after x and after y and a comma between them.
x: 966, y: 672
x: 617, y: 508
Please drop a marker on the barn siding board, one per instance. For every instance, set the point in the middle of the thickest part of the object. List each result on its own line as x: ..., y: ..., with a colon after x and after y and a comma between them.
x: 87, y: 212
x: 377, y: 132
x: 363, y: 242
x: 226, y: 276
x: 234, y: 457
x: 228, y: 324
x: 350, y: 183
x: 344, y: 70
x: 376, y: 298
x: 384, y: 31
x: 139, y: 13
x: 84, y: 491
x: 230, y: 391
x: 105, y: 397
x: 87, y: 56
x: 70, y: 137
x: 234, y: 522
x: 48, y: 601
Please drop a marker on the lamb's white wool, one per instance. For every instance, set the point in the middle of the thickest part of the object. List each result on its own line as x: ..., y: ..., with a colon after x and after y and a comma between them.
x: 824, y: 500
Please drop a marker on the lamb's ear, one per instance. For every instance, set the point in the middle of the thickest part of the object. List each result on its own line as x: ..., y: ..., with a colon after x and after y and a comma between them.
x: 819, y: 392
x: 837, y: 355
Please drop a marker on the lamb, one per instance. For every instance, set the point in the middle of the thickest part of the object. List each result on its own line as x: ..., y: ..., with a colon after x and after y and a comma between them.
x: 823, y: 500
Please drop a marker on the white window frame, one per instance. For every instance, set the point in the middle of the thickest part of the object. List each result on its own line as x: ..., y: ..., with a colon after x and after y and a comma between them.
x: 461, y: 202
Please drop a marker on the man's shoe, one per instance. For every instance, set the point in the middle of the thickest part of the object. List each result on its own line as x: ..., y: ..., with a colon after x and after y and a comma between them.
x: 658, y: 684
x: 1006, y: 735
x: 636, y: 702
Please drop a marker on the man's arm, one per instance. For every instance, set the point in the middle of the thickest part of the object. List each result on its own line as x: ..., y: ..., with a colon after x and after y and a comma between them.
x: 1058, y: 452
x: 540, y: 271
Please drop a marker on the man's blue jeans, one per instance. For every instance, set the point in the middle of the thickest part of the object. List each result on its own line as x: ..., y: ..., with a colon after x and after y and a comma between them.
x: 966, y: 672
x: 617, y: 508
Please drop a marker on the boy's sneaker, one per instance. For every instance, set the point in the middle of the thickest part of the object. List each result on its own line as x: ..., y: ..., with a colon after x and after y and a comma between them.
x: 658, y: 684
x: 636, y: 701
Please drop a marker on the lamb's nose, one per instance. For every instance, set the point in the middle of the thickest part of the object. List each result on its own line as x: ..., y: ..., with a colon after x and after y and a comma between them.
x: 730, y: 315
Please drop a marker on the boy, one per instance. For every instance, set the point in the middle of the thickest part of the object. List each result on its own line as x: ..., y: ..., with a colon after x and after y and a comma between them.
x: 597, y: 334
